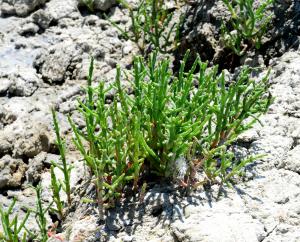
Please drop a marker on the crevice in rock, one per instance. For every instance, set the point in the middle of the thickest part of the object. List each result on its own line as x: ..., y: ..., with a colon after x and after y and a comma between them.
x: 268, y: 233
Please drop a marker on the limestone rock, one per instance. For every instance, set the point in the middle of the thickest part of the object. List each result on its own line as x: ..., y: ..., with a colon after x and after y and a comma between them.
x: 12, y: 172
x: 42, y: 18
x: 24, y: 82
x: 19, y: 7
x: 292, y: 162
x: 54, y: 64
x: 102, y: 5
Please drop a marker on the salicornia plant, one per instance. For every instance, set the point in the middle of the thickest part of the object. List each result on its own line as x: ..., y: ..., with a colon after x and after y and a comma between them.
x: 247, y: 24
x: 12, y: 229
x: 152, y: 26
x: 63, y: 166
x: 106, y: 153
x: 56, y: 189
x: 40, y: 215
x: 169, y: 127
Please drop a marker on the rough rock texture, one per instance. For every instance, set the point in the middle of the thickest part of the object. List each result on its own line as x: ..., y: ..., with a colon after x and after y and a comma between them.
x: 265, y: 208
x: 55, y: 63
x: 19, y: 7
x: 11, y: 172
x: 201, y: 33
x: 101, y: 5
x: 292, y: 161
x: 44, y: 60
x: 24, y: 83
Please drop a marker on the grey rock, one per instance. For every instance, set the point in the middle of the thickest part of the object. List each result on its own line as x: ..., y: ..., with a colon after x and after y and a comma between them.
x: 292, y: 162
x: 6, y: 116
x: 24, y: 82
x: 38, y: 163
x: 49, y: 158
x: 284, y: 233
x: 102, y: 5
x: 4, y: 85
x: 33, y: 143
x: 201, y: 218
x: 12, y: 172
x: 26, y: 137
x: 273, y: 147
x: 68, y: 106
x: 58, y: 9
x: 28, y: 29
x: 83, y: 228
x: 70, y: 93
x: 19, y: 7
x: 26, y: 198
x: 5, y: 145
x: 238, y: 227
x: 78, y: 119
x: 35, y: 168
x: 127, y: 238
x: 272, y: 198
x: 54, y: 64
x: 42, y: 18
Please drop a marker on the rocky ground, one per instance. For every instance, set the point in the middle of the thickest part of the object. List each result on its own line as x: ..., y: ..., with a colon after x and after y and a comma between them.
x: 45, y: 47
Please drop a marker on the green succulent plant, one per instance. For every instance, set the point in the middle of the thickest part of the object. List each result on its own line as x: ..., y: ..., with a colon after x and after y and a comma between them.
x: 152, y: 26
x: 247, y: 25
x: 170, y: 127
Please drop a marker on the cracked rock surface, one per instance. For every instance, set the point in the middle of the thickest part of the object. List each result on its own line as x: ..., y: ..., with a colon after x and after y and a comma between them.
x: 45, y: 49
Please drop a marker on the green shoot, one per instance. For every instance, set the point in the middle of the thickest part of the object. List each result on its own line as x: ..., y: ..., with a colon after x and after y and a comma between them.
x: 13, y: 231
x: 152, y: 26
x: 169, y: 128
x: 64, y: 166
x: 56, y: 188
x: 247, y: 25
x: 40, y: 215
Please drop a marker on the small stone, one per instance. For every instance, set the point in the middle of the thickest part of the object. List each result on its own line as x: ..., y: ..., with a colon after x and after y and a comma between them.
x: 292, y: 162
x: 29, y: 29
x: 42, y: 18
x: 127, y: 238
x: 11, y: 172
x: 102, y: 5
x: 4, y: 85
x: 24, y: 82
x: 19, y: 7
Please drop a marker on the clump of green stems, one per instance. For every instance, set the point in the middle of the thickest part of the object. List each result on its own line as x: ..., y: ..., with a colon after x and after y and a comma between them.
x: 167, y: 118
x: 40, y: 215
x: 247, y: 25
x: 56, y: 189
x: 66, y: 169
x: 152, y: 26
x: 12, y: 229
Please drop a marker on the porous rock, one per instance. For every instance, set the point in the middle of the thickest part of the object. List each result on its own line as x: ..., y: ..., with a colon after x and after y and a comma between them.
x: 58, y: 9
x: 54, y: 64
x: 24, y: 82
x: 101, y: 5
x: 28, y: 29
x: 12, y: 172
x: 19, y: 7
x: 4, y: 85
x: 42, y: 18
x: 292, y: 162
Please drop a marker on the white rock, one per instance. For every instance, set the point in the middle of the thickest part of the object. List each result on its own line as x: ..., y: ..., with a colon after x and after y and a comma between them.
x: 19, y: 7
x: 24, y: 82
x: 292, y: 162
